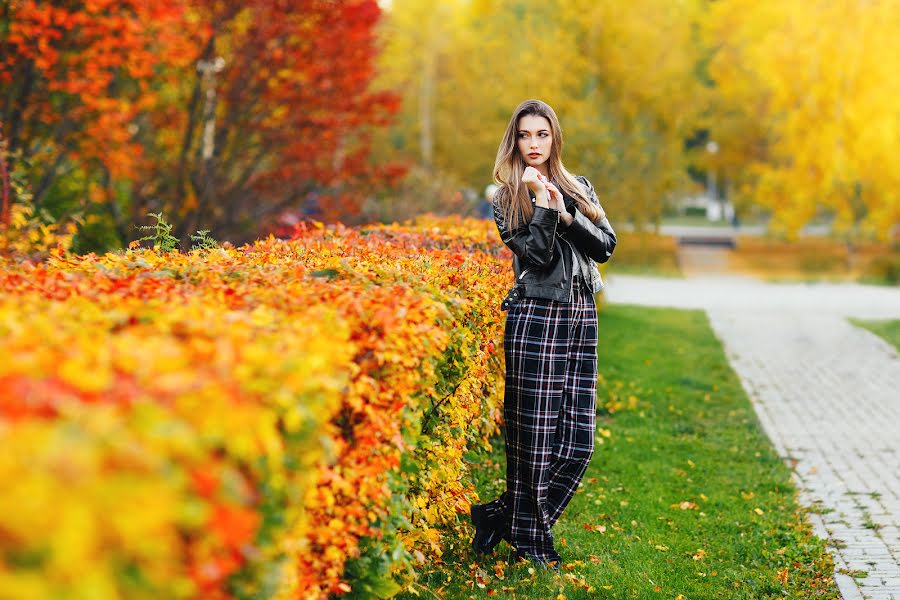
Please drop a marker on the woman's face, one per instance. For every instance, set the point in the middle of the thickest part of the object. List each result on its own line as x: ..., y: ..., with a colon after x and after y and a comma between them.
x: 534, y: 141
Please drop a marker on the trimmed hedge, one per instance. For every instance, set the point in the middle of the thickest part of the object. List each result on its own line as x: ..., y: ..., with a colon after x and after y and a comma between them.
x: 285, y: 419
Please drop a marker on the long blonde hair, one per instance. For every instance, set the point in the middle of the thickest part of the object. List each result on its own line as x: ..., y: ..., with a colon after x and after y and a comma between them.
x: 512, y: 195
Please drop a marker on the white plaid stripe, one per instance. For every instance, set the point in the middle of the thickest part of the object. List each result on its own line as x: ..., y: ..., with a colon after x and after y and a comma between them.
x: 549, y: 413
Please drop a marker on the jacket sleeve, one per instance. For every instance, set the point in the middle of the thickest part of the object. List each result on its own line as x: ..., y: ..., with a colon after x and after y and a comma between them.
x: 597, y: 240
x: 532, y: 241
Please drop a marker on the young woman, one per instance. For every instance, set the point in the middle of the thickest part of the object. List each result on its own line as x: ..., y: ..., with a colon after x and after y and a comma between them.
x: 553, y: 223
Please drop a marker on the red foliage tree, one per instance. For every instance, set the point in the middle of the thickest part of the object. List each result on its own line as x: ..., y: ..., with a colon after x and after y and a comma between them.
x: 218, y: 112
x: 277, y: 115
x: 75, y: 76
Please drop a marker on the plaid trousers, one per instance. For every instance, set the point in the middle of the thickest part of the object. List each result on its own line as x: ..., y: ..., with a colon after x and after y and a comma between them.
x: 550, y: 415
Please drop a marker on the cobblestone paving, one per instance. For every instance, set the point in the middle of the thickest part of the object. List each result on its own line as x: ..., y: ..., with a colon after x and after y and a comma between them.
x: 827, y: 394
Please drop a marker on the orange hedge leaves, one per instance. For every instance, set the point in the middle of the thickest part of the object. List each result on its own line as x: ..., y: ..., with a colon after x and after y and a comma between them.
x: 267, y: 421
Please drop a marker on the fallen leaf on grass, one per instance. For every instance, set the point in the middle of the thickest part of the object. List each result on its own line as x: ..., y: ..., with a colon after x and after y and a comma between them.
x: 686, y: 505
x: 498, y: 569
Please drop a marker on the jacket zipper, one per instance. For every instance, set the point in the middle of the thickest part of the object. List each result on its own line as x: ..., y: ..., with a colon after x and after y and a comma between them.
x: 523, y: 274
x: 571, y: 280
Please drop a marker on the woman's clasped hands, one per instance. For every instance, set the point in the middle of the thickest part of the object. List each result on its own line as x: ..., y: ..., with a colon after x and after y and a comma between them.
x: 546, y: 194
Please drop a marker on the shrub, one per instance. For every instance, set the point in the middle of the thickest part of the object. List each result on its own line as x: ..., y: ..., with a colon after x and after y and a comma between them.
x: 883, y: 269
x: 644, y: 252
x: 819, y: 257
x: 253, y: 422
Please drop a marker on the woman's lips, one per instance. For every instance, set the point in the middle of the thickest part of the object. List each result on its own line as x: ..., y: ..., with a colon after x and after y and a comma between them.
x: 534, y: 155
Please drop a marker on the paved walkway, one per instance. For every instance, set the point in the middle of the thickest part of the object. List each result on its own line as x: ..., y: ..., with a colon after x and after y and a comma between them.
x: 828, y: 396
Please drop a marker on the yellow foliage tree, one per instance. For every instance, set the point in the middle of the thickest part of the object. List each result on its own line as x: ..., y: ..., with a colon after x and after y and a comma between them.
x: 805, y: 108
x: 798, y: 95
x: 621, y: 78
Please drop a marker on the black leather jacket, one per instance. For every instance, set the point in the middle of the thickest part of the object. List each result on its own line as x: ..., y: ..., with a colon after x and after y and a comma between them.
x: 543, y: 249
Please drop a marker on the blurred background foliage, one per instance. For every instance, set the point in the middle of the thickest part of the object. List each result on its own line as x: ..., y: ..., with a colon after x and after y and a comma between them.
x: 245, y: 117
x: 796, y: 95
x: 621, y: 77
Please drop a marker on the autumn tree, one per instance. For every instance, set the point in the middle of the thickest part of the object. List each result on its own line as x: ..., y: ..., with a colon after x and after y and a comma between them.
x: 75, y: 78
x: 276, y: 115
x: 805, y: 109
x: 218, y: 113
x: 622, y: 82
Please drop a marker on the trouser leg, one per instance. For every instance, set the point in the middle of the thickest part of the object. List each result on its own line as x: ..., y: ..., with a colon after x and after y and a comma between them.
x: 550, y: 416
x: 576, y: 423
x: 536, y: 345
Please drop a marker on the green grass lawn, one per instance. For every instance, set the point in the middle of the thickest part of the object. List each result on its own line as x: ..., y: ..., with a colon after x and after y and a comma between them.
x: 684, y: 499
x: 888, y: 329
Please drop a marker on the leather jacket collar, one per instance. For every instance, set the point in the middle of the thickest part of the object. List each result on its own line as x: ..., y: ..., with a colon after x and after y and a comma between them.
x: 543, y: 249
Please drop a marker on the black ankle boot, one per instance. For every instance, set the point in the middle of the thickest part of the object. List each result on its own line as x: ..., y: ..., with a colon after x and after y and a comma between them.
x: 488, y: 531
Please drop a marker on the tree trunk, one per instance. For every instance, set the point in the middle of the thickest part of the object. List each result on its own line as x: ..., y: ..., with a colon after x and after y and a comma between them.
x: 113, y: 206
x: 426, y: 109
x: 15, y: 118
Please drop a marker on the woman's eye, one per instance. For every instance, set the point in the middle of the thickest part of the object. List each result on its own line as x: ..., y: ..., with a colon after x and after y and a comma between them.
x: 543, y: 134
